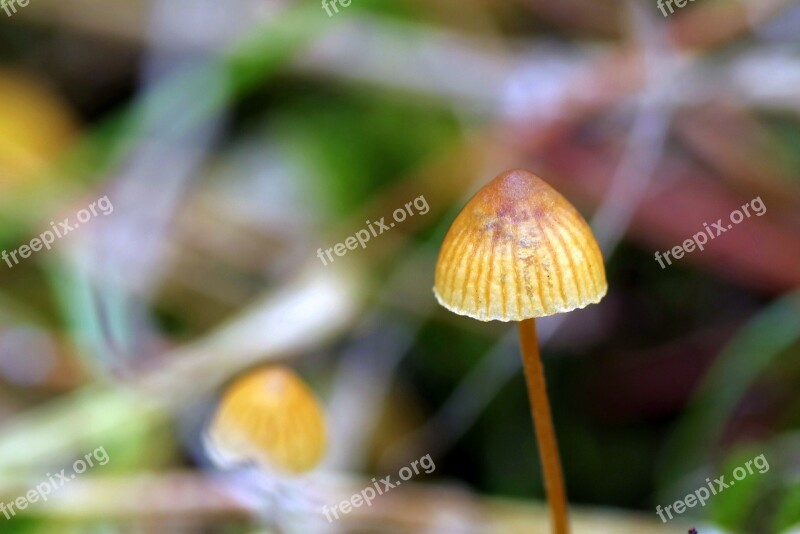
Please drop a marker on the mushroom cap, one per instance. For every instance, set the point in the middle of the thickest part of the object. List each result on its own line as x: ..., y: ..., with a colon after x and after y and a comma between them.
x: 518, y: 250
x: 272, y: 418
x: 35, y: 128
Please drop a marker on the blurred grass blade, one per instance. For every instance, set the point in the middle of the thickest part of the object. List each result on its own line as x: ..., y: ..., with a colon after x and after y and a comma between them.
x: 757, y: 346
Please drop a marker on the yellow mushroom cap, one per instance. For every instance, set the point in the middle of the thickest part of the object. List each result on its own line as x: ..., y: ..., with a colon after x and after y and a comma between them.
x: 272, y: 418
x: 518, y: 250
x: 35, y: 127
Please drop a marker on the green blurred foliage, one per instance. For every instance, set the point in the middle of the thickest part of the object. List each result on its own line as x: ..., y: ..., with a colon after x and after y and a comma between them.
x: 356, y: 145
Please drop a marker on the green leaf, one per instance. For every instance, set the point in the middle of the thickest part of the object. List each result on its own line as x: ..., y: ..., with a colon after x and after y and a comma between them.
x: 759, y: 344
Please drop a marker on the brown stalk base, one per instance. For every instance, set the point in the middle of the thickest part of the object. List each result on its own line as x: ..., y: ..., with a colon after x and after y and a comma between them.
x: 543, y: 423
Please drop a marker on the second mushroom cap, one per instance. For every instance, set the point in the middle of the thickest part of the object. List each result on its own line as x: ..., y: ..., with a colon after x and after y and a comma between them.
x: 270, y: 417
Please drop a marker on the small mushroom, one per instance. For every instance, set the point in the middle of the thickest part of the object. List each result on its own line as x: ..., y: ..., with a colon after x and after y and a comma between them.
x: 269, y: 417
x: 519, y: 250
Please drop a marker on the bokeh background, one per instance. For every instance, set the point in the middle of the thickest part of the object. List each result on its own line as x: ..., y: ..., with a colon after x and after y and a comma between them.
x: 236, y: 138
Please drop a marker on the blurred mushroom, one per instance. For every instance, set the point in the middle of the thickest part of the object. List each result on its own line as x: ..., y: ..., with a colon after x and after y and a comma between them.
x: 271, y: 418
x: 519, y: 250
x: 35, y: 127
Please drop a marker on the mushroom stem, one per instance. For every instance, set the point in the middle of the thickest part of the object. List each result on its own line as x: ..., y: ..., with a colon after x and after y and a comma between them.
x: 543, y: 423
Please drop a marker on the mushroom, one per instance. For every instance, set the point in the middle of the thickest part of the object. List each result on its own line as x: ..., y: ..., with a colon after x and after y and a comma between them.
x: 271, y: 418
x: 517, y: 251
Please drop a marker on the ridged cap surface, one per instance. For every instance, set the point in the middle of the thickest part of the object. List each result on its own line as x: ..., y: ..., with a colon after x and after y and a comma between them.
x: 272, y: 418
x: 518, y: 250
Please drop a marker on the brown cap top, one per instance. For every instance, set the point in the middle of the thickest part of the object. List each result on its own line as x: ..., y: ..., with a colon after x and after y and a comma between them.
x: 518, y: 250
x: 272, y: 418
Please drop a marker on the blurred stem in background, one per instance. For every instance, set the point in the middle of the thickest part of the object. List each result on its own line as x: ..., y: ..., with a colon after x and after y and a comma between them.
x: 693, y: 451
